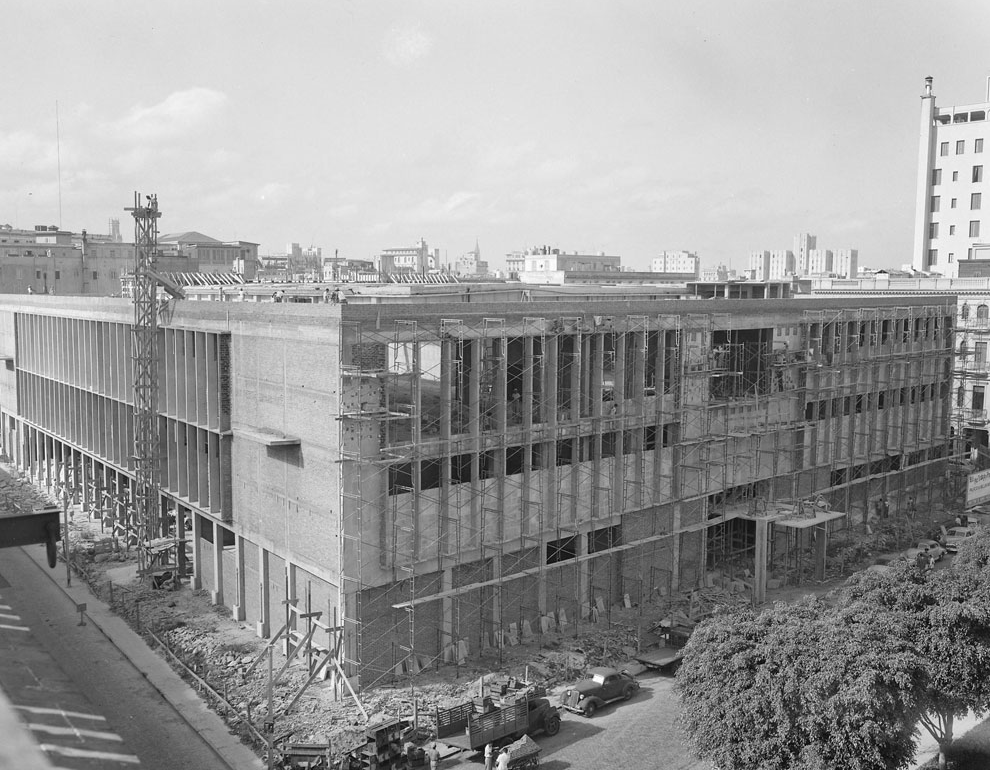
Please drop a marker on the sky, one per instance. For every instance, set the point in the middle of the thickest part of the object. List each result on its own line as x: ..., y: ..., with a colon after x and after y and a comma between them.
x: 627, y: 127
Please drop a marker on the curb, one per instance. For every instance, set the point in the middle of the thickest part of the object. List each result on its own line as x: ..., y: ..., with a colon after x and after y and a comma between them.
x: 183, y: 698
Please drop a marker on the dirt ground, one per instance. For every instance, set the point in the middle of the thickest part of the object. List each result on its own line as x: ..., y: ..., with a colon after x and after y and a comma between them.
x: 219, y: 651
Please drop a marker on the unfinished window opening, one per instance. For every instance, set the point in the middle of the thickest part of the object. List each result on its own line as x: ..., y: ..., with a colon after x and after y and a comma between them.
x: 514, y: 460
x: 400, y: 479
x: 610, y: 346
x: 742, y: 362
x: 487, y: 465
x: 650, y: 437
x: 460, y: 469
x: 462, y: 374
x: 650, y: 368
x: 515, y: 368
x: 565, y: 451
x: 604, y: 538
x: 671, y: 345
x: 610, y: 441
x: 430, y: 474
x: 565, y: 370
x: 562, y: 549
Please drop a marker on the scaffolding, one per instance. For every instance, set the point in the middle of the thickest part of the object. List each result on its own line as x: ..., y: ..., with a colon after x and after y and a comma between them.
x: 508, y: 477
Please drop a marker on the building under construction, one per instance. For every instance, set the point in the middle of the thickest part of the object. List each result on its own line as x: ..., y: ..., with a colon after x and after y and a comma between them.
x: 440, y: 472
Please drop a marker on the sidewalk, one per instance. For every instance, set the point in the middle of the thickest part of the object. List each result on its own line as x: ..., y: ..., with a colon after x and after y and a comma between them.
x: 173, y: 688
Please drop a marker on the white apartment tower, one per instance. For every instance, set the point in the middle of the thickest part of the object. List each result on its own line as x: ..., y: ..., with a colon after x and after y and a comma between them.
x: 676, y: 262
x: 845, y: 263
x: 804, y: 243
x: 949, y: 222
x: 819, y: 262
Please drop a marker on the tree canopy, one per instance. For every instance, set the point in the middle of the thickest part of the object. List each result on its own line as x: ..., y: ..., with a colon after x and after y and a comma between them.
x: 803, y: 686
x: 945, y: 616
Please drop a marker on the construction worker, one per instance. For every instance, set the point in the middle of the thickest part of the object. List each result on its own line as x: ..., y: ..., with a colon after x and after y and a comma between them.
x: 434, y: 756
x: 503, y: 759
x: 489, y: 756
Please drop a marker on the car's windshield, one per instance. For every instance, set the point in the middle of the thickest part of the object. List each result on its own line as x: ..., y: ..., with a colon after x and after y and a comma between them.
x: 598, y: 679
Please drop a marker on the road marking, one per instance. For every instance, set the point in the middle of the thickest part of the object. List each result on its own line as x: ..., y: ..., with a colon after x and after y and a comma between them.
x: 61, y: 712
x: 9, y: 617
x: 109, y: 756
x: 56, y: 730
x: 4, y: 607
x: 14, y: 628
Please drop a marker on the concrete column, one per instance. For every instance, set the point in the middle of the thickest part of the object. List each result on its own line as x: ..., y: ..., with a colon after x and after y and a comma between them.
x: 216, y: 595
x: 197, y: 576
x: 496, y: 624
x: 447, y: 611
x: 84, y: 478
x: 290, y: 581
x: 263, y: 626
x: 760, y: 561
x: 238, y: 611
x: 584, y: 577
x: 821, y: 541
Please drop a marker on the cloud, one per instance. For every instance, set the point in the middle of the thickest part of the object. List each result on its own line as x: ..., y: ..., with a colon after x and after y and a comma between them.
x: 272, y: 192
x: 405, y: 46
x: 177, y: 116
x: 455, y: 207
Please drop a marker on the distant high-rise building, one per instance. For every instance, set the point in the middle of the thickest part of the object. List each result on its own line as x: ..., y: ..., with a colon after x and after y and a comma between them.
x: 818, y: 262
x: 845, y: 263
x: 804, y: 243
x: 676, y: 262
x: 948, y: 224
x: 781, y: 264
x: 759, y: 265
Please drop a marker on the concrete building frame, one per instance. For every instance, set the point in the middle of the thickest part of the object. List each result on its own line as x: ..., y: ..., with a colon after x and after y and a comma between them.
x: 449, y: 476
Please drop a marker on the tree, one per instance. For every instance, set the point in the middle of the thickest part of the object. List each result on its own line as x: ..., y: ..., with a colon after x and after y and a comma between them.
x: 944, y: 616
x: 804, y: 686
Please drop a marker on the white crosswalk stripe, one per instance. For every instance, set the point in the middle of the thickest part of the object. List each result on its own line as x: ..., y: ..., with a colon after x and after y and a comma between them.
x: 75, y: 731
x: 107, y: 756
x: 61, y: 713
x: 14, y: 628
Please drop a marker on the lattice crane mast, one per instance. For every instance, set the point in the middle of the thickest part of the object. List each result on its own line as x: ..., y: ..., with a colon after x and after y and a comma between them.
x: 146, y: 518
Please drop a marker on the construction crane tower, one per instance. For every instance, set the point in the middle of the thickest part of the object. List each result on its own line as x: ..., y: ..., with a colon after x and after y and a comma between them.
x: 146, y: 522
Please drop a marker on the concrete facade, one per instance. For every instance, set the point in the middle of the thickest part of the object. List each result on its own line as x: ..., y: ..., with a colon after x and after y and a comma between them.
x: 437, y: 475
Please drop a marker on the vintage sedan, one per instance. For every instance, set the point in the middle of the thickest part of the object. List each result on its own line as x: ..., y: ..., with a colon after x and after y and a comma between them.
x: 954, y: 536
x: 604, y: 686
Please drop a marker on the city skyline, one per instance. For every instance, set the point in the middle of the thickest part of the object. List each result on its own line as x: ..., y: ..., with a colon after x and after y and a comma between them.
x: 629, y: 128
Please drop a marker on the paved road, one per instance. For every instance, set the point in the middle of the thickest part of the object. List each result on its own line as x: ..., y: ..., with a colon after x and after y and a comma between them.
x: 640, y: 733
x: 87, y: 705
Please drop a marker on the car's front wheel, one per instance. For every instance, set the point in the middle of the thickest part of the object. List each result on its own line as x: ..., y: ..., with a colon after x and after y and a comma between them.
x: 552, y: 725
x: 590, y: 709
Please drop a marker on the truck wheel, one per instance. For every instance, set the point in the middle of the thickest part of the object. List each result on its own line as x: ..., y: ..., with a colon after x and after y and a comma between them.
x: 552, y: 725
x: 590, y: 709
x: 628, y: 692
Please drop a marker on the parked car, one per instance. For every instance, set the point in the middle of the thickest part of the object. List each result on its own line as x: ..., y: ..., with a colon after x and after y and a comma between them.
x: 934, y: 548
x: 954, y: 536
x: 604, y: 686
x: 919, y: 557
x: 928, y: 550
